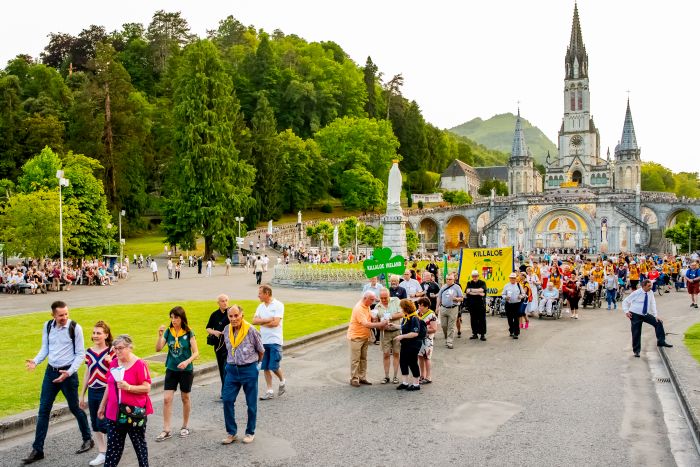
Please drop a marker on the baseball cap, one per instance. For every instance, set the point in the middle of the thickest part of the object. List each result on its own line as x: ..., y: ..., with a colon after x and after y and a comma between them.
x: 513, y: 275
x: 475, y: 272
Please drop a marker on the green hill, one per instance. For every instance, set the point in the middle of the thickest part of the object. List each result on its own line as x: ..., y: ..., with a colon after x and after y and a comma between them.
x: 497, y: 133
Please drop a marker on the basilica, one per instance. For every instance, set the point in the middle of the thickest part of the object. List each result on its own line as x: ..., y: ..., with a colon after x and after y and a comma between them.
x: 583, y: 201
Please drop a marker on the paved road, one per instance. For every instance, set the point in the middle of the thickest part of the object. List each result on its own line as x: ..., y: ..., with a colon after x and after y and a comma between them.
x: 567, y: 393
x: 140, y: 288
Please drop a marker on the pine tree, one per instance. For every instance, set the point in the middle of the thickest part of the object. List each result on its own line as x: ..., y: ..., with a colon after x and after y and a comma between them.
x: 210, y: 185
x: 370, y: 77
x: 267, y: 160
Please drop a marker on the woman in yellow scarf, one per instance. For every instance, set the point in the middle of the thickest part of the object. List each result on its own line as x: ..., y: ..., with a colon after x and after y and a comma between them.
x: 413, y: 332
x: 179, y: 371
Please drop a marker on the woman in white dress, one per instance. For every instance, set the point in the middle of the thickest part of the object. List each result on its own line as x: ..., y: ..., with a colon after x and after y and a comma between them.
x: 534, y: 281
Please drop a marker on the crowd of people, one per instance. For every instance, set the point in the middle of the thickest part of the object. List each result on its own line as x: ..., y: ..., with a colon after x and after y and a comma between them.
x: 33, y: 276
x: 403, y: 319
x: 117, y: 383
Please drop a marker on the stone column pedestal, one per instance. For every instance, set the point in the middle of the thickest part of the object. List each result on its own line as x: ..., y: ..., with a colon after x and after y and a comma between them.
x: 395, y: 234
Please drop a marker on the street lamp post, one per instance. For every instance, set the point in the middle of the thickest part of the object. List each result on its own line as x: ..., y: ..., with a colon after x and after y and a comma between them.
x: 61, y: 183
x: 109, y: 239
x: 239, y: 220
x: 122, y: 213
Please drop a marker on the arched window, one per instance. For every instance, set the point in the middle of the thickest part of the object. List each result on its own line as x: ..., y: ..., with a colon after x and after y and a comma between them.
x: 573, y: 100
x: 580, y: 100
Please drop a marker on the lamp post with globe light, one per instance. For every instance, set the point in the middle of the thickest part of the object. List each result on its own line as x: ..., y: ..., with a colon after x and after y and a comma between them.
x: 62, y: 181
x: 122, y: 213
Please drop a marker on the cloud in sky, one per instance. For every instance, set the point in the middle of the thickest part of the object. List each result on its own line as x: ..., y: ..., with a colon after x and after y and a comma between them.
x: 462, y: 60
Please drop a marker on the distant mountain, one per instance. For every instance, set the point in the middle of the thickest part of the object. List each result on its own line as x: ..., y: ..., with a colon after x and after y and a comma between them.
x: 497, y: 133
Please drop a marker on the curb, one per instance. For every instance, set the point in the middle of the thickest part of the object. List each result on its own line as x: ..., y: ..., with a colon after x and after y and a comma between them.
x: 25, y: 422
x: 690, y: 415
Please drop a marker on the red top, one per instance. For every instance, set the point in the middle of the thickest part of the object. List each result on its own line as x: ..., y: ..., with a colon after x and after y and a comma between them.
x: 136, y: 375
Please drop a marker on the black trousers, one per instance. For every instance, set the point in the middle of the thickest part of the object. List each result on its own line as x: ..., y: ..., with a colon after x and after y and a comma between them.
x: 513, y: 316
x: 636, y: 324
x: 258, y: 277
x: 408, y: 358
x: 221, y: 355
x: 477, y: 318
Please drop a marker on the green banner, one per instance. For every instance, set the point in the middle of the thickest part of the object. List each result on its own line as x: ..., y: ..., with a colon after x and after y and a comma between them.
x: 383, y: 263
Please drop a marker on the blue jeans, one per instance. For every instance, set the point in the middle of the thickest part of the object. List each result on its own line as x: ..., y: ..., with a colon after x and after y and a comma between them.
x: 610, y: 296
x: 237, y: 377
x: 49, y: 391
x: 272, y: 357
x: 94, y: 400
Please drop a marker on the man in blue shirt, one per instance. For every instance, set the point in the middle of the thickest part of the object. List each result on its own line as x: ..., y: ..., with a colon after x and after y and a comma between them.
x: 62, y: 342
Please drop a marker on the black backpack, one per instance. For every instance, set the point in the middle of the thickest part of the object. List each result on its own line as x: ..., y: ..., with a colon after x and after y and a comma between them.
x: 71, y: 330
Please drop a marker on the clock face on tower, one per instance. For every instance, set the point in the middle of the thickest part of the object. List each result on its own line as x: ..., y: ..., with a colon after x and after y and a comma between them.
x: 576, y: 141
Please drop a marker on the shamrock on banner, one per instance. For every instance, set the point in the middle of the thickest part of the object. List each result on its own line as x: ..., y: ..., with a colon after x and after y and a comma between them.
x: 383, y: 263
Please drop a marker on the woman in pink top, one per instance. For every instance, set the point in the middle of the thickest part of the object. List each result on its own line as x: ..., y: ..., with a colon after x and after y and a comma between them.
x: 132, y: 390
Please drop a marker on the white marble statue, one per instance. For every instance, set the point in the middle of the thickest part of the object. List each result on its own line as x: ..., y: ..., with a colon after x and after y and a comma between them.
x: 483, y: 239
x: 637, y: 238
x: 393, y: 203
x: 299, y: 217
x: 269, y: 227
x: 335, y: 237
x: 493, y: 193
x: 604, y: 232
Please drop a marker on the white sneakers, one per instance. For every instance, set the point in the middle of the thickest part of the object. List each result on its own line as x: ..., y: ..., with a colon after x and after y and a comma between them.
x: 99, y: 460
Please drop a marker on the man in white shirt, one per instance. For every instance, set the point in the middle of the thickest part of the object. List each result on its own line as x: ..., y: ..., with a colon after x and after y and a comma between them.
x: 411, y: 286
x: 154, y: 270
x: 269, y: 316
x: 640, y: 307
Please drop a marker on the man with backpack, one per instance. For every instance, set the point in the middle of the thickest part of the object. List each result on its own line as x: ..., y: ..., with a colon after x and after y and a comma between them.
x: 62, y: 342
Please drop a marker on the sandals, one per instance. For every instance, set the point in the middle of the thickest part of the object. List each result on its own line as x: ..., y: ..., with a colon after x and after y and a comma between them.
x: 184, y: 432
x: 163, y: 436
x: 395, y: 380
x: 386, y: 380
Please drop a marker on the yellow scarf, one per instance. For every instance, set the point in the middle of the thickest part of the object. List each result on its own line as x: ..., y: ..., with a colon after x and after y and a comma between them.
x: 407, y: 318
x: 242, y: 332
x: 176, y: 335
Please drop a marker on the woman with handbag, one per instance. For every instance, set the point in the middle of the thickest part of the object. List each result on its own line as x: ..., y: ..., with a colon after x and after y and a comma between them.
x: 126, y: 403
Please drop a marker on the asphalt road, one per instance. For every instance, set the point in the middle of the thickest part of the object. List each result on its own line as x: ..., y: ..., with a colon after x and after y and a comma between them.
x: 569, y: 392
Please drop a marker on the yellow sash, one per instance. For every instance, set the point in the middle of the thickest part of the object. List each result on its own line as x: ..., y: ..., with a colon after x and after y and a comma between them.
x: 176, y: 335
x: 242, y: 332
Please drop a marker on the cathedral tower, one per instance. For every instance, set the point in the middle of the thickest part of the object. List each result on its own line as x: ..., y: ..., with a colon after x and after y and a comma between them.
x: 523, y: 177
x: 578, y: 136
x: 628, y: 163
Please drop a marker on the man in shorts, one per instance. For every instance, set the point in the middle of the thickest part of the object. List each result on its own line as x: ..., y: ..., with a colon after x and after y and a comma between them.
x: 692, y: 282
x: 388, y: 310
x: 269, y: 316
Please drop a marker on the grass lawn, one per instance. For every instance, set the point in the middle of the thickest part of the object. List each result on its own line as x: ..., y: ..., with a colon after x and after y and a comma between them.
x: 141, y: 322
x: 151, y: 243
x: 692, y: 340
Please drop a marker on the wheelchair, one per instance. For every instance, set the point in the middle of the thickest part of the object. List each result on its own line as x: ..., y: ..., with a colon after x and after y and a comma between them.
x: 556, y: 310
x: 497, y: 306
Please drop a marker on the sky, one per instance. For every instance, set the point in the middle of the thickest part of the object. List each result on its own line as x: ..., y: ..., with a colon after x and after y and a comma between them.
x: 462, y: 59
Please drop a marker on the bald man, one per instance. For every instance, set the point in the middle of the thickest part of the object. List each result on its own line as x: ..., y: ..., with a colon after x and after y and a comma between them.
x: 217, y: 322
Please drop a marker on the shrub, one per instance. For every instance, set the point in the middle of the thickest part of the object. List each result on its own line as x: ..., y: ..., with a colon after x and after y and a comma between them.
x: 327, y: 208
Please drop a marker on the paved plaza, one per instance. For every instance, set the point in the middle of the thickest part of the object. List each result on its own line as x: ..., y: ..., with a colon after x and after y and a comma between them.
x: 140, y: 288
x: 567, y: 393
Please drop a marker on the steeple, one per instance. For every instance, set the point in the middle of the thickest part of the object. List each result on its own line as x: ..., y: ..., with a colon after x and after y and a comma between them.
x: 576, y: 60
x: 519, y: 147
x: 629, y: 139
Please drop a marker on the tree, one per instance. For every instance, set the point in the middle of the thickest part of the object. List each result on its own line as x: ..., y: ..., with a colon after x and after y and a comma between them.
x: 357, y: 143
x: 360, y: 190
x: 30, y: 224
x: 370, y: 78
x: 373, y: 237
x: 305, y: 172
x: 392, y: 88
x: 412, y: 240
x: 457, y: 197
x: 685, y: 235
x: 166, y: 33
x: 501, y: 187
x: 268, y: 163
x: 10, y: 118
x: 322, y: 232
x: 210, y: 185
x: 85, y: 193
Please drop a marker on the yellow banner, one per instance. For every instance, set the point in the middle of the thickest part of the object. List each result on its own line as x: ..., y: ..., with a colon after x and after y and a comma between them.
x: 493, y: 264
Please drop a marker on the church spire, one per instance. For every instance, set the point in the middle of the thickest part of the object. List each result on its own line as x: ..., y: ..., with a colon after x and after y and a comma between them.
x: 629, y: 139
x: 519, y: 147
x: 576, y: 56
